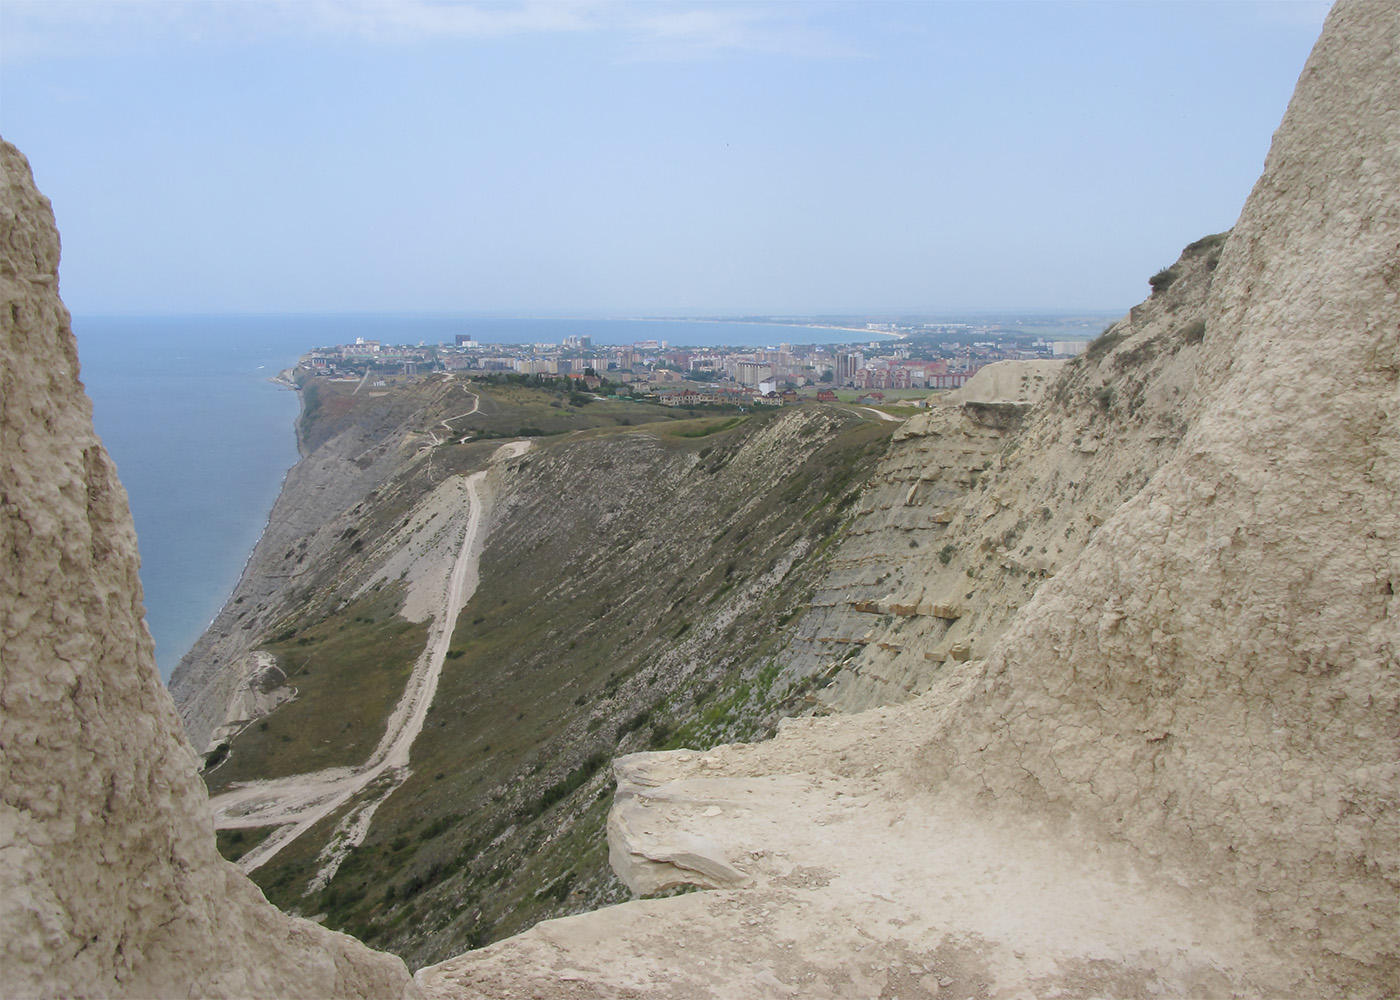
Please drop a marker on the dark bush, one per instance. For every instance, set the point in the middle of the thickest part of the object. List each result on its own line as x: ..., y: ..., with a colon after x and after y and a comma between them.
x: 1103, y: 343
x: 1163, y: 279
x: 439, y: 826
x: 1207, y: 244
x: 216, y: 756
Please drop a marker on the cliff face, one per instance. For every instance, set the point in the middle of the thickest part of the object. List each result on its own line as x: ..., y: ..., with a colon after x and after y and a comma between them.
x: 109, y: 881
x: 635, y: 579
x: 1216, y: 678
x: 1148, y: 747
x: 995, y: 491
x: 1168, y: 764
x: 221, y: 684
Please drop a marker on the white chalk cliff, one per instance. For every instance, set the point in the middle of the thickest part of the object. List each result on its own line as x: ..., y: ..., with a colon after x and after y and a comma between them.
x: 110, y: 885
x: 1175, y: 770
x: 1165, y: 760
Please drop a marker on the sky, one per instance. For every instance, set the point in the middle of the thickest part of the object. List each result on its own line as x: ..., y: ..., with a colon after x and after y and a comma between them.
x: 616, y: 158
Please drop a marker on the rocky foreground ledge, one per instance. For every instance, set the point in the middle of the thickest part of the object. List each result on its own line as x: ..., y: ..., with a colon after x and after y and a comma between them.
x: 844, y: 878
x: 1175, y: 772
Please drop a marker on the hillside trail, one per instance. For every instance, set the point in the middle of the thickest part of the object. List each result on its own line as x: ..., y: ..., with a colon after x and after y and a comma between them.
x: 476, y: 405
x: 297, y: 802
x: 446, y: 422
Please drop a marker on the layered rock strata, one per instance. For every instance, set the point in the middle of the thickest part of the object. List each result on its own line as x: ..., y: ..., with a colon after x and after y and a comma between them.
x: 995, y: 490
x: 110, y: 885
x: 1175, y: 770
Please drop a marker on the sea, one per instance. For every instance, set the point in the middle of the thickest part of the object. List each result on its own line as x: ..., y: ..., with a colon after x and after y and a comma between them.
x: 202, y: 438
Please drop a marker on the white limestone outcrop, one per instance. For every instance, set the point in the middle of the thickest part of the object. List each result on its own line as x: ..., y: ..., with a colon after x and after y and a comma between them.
x: 1168, y: 767
x: 1175, y: 769
x: 1006, y: 381
x: 110, y: 884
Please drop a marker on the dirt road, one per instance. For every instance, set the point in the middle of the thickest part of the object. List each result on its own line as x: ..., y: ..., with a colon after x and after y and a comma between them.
x: 298, y: 802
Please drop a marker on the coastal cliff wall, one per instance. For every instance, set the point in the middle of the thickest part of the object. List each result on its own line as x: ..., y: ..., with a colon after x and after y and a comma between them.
x: 1217, y: 678
x: 636, y: 577
x: 1168, y: 765
x: 221, y: 683
x: 996, y: 489
x: 109, y: 881
x: 1157, y: 755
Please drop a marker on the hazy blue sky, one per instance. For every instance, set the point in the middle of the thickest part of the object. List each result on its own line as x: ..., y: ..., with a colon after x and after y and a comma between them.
x: 638, y: 157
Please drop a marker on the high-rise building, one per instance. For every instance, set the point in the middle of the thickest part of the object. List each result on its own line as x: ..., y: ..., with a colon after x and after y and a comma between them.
x: 847, y: 364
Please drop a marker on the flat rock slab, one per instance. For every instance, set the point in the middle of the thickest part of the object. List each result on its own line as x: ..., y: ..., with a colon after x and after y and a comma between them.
x: 855, y: 888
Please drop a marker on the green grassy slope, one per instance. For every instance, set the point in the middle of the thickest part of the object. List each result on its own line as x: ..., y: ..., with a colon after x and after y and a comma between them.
x: 636, y: 583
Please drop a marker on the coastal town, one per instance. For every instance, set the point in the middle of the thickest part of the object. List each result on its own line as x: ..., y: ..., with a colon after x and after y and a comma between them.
x: 898, y: 363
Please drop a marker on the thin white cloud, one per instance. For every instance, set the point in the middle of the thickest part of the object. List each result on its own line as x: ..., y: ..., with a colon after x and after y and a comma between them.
x: 699, y: 30
x: 412, y: 20
x: 655, y: 30
x: 65, y: 28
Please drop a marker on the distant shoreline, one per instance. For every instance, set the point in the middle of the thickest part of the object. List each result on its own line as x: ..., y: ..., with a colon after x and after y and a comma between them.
x: 764, y: 322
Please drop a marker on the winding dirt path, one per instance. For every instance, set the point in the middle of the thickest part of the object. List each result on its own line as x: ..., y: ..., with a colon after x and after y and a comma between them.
x: 476, y: 405
x: 881, y: 414
x: 298, y: 802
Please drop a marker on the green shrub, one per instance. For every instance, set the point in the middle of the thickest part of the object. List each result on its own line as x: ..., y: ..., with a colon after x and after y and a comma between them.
x: 1206, y: 244
x: 1103, y: 343
x: 439, y: 826
x: 1163, y: 279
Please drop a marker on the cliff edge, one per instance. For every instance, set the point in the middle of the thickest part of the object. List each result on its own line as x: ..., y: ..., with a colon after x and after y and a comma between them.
x: 1165, y: 766
x: 110, y: 884
x: 1174, y: 769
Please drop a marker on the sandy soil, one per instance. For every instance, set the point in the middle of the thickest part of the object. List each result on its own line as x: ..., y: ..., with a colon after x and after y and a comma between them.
x: 836, y: 880
x: 298, y: 802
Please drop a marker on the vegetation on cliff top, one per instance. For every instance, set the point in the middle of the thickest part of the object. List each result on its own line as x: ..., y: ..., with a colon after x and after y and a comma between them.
x: 641, y: 572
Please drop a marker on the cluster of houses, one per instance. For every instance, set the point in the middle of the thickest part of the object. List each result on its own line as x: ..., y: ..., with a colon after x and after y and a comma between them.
x: 764, y: 395
x: 786, y: 366
x: 677, y: 376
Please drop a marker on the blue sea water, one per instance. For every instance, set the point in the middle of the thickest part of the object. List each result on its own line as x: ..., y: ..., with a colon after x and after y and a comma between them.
x: 202, y: 440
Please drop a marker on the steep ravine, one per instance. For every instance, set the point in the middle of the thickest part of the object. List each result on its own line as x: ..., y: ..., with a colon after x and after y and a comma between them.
x: 637, y: 575
x: 634, y: 585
